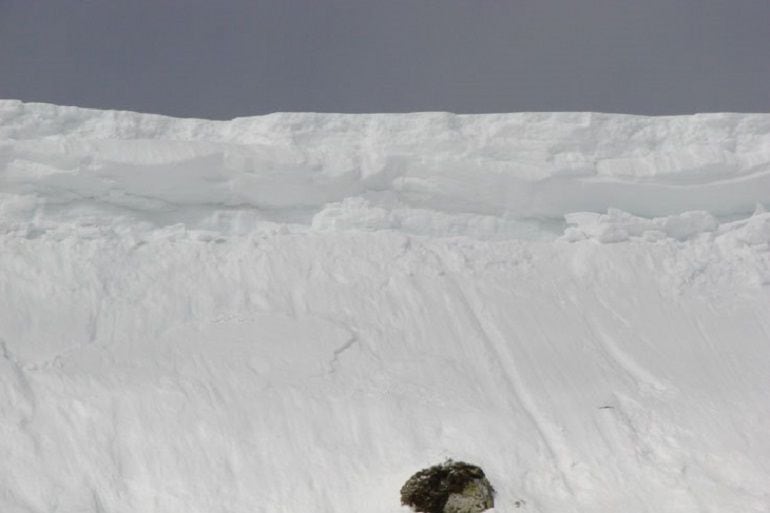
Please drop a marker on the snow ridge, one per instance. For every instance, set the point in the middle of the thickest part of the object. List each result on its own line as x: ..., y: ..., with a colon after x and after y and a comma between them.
x: 446, y: 172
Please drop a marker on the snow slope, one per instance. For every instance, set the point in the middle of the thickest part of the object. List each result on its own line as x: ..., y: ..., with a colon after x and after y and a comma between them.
x: 295, y: 312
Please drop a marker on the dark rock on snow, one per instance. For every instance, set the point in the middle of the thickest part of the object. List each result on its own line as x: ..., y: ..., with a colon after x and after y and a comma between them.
x: 451, y: 487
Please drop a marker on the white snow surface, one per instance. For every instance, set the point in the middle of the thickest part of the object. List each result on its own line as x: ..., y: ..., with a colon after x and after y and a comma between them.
x: 295, y: 312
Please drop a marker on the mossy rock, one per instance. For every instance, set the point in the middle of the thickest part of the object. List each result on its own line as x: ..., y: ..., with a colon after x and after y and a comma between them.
x: 451, y: 487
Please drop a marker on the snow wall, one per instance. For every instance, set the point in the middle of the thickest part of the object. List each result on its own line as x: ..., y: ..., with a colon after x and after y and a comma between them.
x: 295, y: 312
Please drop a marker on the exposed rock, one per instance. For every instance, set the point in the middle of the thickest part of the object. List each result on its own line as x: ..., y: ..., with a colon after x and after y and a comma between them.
x: 451, y: 487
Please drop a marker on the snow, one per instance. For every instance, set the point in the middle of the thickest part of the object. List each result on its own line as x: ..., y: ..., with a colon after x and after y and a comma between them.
x: 296, y: 312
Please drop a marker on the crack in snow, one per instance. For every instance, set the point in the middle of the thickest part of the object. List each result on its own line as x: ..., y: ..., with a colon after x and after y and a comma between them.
x: 353, y: 340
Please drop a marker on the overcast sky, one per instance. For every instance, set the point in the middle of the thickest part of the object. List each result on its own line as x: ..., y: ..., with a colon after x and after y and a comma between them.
x: 226, y: 58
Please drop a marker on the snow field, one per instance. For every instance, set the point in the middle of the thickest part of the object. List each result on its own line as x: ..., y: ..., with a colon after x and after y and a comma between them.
x: 296, y: 312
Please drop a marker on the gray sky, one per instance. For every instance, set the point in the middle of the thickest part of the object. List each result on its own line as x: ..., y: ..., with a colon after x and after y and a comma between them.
x: 226, y: 58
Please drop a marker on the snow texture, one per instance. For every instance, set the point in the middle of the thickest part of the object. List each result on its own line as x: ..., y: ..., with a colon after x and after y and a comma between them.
x: 296, y: 312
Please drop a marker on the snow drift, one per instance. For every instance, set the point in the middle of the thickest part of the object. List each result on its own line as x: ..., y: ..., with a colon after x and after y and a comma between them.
x: 296, y: 312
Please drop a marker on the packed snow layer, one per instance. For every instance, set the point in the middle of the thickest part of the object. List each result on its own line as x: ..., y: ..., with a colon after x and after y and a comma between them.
x: 435, y: 170
x: 295, y: 312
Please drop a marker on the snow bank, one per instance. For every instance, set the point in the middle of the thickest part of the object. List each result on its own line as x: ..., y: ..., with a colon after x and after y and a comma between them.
x: 296, y: 312
x: 288, y: 166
